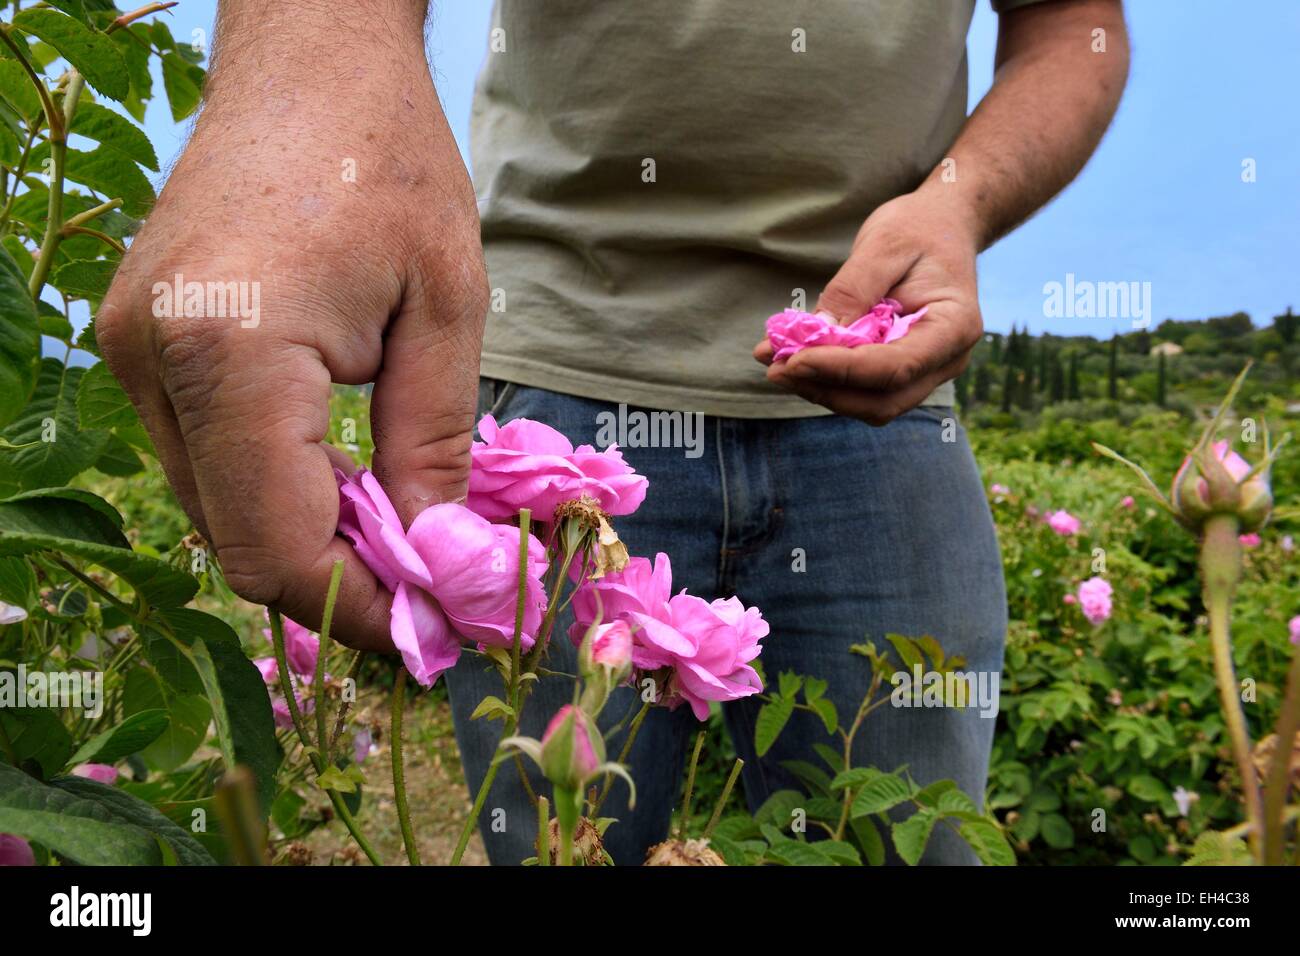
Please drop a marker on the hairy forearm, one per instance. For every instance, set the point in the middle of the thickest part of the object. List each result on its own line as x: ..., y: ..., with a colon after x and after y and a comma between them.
x: 1053, y: 96
x: 320, y: 46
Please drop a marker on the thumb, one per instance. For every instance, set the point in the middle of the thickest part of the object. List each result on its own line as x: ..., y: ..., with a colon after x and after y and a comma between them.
x: 867, y: 277
x: 422, y: 411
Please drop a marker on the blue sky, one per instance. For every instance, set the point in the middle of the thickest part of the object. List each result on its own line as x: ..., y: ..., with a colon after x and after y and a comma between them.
x: 1162, y: 201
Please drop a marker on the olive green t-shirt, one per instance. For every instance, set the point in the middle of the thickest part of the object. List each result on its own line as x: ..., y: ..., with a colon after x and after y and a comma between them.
x: 656, y: 177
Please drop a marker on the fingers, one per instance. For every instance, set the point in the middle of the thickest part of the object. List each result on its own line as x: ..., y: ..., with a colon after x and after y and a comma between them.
x: 253, y: 413
x: 872, y: 270
x: 874, y: 408
x: 422, y: 411
x: 130, y: 357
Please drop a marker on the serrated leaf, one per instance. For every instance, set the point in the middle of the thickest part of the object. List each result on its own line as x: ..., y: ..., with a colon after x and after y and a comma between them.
x: 827, y: 712
x: 112, y: 129
x: 907, y: 650
x: 184, y: 85
x: 38, y: 735
x: 20, y: 340
x: 990, y: 846
x: 56, y: 450
x: 491, y: 707
x: 130, y: 736
x: 911, y: 836
x: 855, y: 777
x: 886, y: 791
x: 788, y: 684
x: 101, y: 402
x: 188, y: 717
x: 108, y: 172
x: 129, y: 809
x: 810, y: 775
x: 241, y: 707
x: 869, y: 839
x: 778, y: 809
x: 91, y: 52
x: 118, y: 459
x: 61, y: 520
x: 837, y: 853
x: 772, y: 718
x: 84, y: 278
x: 83, y: 831
x: 17, y: 90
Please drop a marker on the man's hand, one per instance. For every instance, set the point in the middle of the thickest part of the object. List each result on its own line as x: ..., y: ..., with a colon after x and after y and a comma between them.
x: 322, y: 175
x: 1061, y: 67
x: 913, y: 249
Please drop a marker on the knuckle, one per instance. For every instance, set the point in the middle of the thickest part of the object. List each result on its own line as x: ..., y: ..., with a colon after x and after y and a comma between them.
x: 253, y: 574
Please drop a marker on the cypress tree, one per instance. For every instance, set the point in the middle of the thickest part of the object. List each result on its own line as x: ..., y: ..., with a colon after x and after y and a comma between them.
x: 1057, y: 391
x: 983, y: 383
x: 1112, y: 370
x: 1072, y: 386
x: 1008, y: 387
x: 961, y: 386
x: 1160, y: 381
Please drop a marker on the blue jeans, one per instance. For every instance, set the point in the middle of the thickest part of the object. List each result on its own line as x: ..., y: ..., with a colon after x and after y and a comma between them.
x: 839, y: 532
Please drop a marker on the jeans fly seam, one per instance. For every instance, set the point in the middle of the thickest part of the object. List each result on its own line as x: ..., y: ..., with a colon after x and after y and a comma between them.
x: 726, y: 505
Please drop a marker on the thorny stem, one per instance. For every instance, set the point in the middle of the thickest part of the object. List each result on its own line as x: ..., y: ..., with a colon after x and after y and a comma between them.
x: 722, y: 800
x: 128, y: 18
x: 344, y: 704
x: 399, y: 777
x: 1220, y: 571
x: 1276, y: 784
x: 322, y: 711
x: 286, y: 687
x: 622, y: 754
x: 690, y: 786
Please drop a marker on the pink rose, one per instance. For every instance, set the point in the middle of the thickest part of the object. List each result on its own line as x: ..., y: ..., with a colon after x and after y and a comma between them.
x: 526, y: 464
x: 1094, y: 600
x: 454, y: 575
x: 706, y: 645
x: 572, y: 748
x: 1294, y: 628
x: 367, y: 519
x: 997, y: 489
x: 612, y: 646
x: 1288, y: 543
x: 1064, y: 523
x: 15, y: 851
x: 792, y: 330
x: 99, y: 772
x: 1128, y: 503
x: 1250, y: 540
x: 1070, y: 599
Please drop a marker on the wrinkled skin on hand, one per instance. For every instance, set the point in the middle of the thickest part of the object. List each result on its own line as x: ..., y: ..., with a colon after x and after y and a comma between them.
x: 377, y: 276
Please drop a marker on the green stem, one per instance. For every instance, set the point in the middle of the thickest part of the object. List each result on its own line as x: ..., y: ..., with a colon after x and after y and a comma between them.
x: 722, y: 801
x: 1276, y: 784
x: 567, y: 804
x: 514, y: 695
x: 345, y: 705
x: 1220, y: 571
x: 322, y: 711
x: 622, y: 754
x: 543, y: 832
x: 690, y: 786
x: 58, y: 157
x: 399, y: 777
x: 299, y: 725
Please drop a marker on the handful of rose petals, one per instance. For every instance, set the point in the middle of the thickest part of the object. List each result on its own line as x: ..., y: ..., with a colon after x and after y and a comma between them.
x: 793, y: 331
